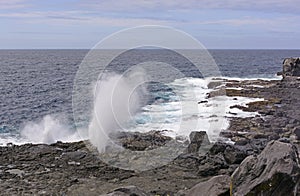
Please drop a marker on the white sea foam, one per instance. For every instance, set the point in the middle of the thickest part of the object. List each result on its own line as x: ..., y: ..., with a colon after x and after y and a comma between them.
x: 210, y: 116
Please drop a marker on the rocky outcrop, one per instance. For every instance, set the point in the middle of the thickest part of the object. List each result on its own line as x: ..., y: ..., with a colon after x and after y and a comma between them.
x: 197, y: 139
x: 275, y: 171
x: 291, y: 67
x: 139, y: 141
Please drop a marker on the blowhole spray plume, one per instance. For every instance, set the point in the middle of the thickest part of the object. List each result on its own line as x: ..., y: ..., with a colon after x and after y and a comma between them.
x: 117, y: 98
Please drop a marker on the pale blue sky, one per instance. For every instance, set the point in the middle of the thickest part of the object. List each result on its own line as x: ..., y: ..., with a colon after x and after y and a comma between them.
x: 267, y: 24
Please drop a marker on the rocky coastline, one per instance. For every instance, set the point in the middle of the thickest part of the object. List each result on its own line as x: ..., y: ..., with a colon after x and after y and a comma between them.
x: 262, y: 160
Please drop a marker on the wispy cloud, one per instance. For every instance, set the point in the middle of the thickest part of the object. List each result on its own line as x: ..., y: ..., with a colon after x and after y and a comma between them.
x: 287, y: 6
x: 80, y: 17
x: 242, y: 18
x: 238, y: 22
x: 12, y: 4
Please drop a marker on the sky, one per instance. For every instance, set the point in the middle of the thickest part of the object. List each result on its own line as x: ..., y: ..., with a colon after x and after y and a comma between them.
x: 217, y: 24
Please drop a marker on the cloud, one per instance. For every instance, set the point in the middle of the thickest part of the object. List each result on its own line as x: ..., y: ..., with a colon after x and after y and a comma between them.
x: 12, y: 4
x: 81, y: 17
x: 237, y: 22
x: 286, y: 6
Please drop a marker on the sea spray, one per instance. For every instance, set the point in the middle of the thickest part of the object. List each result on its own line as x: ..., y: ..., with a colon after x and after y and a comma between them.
x: 117, y: 98
x: 49, y: 129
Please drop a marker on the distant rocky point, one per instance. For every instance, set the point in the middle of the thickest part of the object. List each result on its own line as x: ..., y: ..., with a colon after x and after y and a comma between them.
x: 291, y: 67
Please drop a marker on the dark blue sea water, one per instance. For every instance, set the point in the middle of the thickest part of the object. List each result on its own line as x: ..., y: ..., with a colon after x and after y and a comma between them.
x: 36, y: 83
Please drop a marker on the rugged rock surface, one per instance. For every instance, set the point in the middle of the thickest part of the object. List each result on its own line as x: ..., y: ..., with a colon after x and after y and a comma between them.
x: 291, y: 67
x: 275, y: 171
x: 217, y: 186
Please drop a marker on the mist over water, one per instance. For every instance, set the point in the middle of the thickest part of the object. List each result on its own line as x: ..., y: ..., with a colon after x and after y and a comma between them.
x: 50, y: 129
x: 117, y: 98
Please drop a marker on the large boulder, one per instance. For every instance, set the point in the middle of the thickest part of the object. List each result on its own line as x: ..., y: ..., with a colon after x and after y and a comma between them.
x: 275, y: 171
x: 217, y: 185
x: 291, y: 67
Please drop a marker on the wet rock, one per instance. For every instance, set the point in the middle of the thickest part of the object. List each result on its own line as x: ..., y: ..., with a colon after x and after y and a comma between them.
x: 291, y: 67
x: 217, y: 185
x: 197, y: 139
x: 204, y: 101
x: 273, y: 172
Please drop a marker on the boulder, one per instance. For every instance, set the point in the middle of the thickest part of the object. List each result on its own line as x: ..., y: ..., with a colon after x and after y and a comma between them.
x: 234, y: 155
x: 218, y: 147
x: 217, y: 185
x: 275, y: 171
x: 197, y: 138
x: 291, y: 67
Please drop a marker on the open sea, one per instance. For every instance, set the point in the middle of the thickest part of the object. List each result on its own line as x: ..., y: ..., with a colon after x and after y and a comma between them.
x: 36, y: 88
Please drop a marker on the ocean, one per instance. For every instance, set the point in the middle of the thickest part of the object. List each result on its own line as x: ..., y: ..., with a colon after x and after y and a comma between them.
x: 36, y: 88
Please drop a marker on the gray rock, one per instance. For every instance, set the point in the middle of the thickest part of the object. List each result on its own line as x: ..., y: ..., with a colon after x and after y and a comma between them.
x: 197, y: 139
x: 211, y: 165
x: 233, y: 154
x: 217, y: 185
x: 218, y: 147
x: 127, y: 191
x: 273, y: 172
x: 291, y: 67
x: 296, y: 131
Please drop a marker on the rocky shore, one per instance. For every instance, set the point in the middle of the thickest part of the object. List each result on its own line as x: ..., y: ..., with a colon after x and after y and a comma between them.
x: 262, y: 160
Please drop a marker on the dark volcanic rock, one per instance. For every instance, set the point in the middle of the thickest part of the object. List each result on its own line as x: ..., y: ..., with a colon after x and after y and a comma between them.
x: 218, y: 147
x: 234, y: 155
x: 273, y: 172
x: 212, y: 165
x: 141, y: 141
x: 291, y: 67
